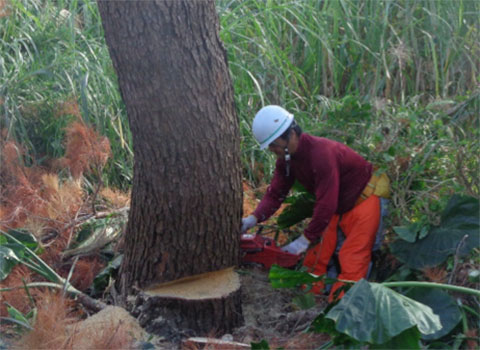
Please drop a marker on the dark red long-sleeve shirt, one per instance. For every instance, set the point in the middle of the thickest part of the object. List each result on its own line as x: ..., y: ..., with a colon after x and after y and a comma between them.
x: 333, y: 172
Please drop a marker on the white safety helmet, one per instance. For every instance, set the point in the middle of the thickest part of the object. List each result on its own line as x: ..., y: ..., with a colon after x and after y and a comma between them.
x: 270, y: 123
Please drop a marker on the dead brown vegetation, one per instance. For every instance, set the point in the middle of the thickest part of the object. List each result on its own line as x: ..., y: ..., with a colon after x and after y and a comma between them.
x: 32, y: 196
x: 18, y: 299
x: 50, y: 327
x: 36, y: 199
x: 57, y: 327
x: 4, y: 12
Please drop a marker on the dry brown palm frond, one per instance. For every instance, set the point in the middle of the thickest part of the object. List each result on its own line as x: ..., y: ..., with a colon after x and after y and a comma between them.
x: 68, y: 107
x: 53, y: 318
x: 17, y: 298
x: 4, y: 12
x: 32, y: 196
x: 473, y: 339
x: 86, y: 150
x: 436, y: 274
x: 84, y: 272
x: 116, y: 198
x: 64, y: 199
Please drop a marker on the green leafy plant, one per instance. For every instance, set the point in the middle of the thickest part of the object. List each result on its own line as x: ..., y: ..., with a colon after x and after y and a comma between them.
x: 24, y: 321
x: 459, y: 219
x: 262, y: 345
x: 21, y: 253
x: 36, y: 264
x: 103, y: 279
x: 372, y: 313
x: 14, y: 250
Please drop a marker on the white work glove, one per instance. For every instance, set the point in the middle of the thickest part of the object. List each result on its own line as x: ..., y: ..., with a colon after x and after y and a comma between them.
x: 298, y: 246
x: 248, y: 223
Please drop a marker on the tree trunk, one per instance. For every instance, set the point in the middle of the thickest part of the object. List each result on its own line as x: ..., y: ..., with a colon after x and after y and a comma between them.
x: 186, y: 199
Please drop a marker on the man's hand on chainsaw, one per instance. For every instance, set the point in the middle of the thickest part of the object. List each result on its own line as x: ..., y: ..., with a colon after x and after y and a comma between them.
x: 248, y: 222
x: 298, y: 246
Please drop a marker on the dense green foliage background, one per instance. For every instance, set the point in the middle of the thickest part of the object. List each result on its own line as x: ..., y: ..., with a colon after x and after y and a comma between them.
x: 396, y: 80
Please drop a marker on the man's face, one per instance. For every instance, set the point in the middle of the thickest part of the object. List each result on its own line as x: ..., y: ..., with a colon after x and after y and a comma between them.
x: 278, y: 147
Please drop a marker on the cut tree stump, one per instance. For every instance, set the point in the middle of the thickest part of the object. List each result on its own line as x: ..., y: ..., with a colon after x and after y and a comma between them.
x: 206, y: 304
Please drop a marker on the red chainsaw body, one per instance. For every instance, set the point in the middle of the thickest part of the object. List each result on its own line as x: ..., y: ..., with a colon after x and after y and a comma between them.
x: 258, y: 249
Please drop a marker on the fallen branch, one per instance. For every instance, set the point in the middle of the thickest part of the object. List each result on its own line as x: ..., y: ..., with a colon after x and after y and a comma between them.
x: 99, y: 238
x: 98, y: 215
x: 87, y: 301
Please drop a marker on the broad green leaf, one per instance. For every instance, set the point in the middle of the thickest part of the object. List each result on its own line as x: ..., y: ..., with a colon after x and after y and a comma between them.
x: 460, y: 218
x: 263, y: 345
x: 440, y: 345
x: 301, y: 207
x: 100, y: 282
x: 321, y: 324
x: 423, y: 232
x: 8, y: 259
x: 29, y: 258
x: 285, y: 278
x: 375, y: 314
x: 406, y: 233
x: 409, y: 339
x: 12, y: 252
x: 410, y: 232
x: 25, y: 237
x: 441, y: 304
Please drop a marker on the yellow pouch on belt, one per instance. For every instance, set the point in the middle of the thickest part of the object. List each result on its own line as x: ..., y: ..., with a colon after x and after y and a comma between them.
x: 378, y: 185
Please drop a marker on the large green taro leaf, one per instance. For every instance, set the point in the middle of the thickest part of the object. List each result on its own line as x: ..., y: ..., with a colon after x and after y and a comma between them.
x: 375, y: 314
x: 409, y: 339
x: 460, y: 218
x: 442, y: 304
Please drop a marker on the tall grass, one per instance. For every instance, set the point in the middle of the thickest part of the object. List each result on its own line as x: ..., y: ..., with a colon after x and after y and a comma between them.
x: 53, y: 54
x: 383, y: 76
x: 304, y: 54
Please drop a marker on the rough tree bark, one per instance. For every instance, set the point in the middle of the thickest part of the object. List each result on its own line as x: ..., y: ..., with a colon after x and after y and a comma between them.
x: 186, y: 199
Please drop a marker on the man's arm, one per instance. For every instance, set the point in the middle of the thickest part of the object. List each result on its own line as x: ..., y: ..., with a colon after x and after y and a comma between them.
x: 276, y: 193
x: 327, y: 183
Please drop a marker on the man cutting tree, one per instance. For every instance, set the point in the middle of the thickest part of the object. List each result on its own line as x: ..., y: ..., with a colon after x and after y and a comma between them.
x: 343, y: 184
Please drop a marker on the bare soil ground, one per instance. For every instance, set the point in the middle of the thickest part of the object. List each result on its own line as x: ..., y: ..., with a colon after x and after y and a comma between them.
x: 270, y: 315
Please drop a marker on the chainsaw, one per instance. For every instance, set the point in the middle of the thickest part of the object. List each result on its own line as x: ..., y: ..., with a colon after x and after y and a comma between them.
x: 262, y: 250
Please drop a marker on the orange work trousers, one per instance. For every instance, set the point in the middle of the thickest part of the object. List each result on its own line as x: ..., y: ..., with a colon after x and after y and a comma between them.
x: 359, y: 227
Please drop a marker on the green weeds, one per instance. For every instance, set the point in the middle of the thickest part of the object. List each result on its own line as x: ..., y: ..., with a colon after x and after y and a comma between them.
x: 53, y: 55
